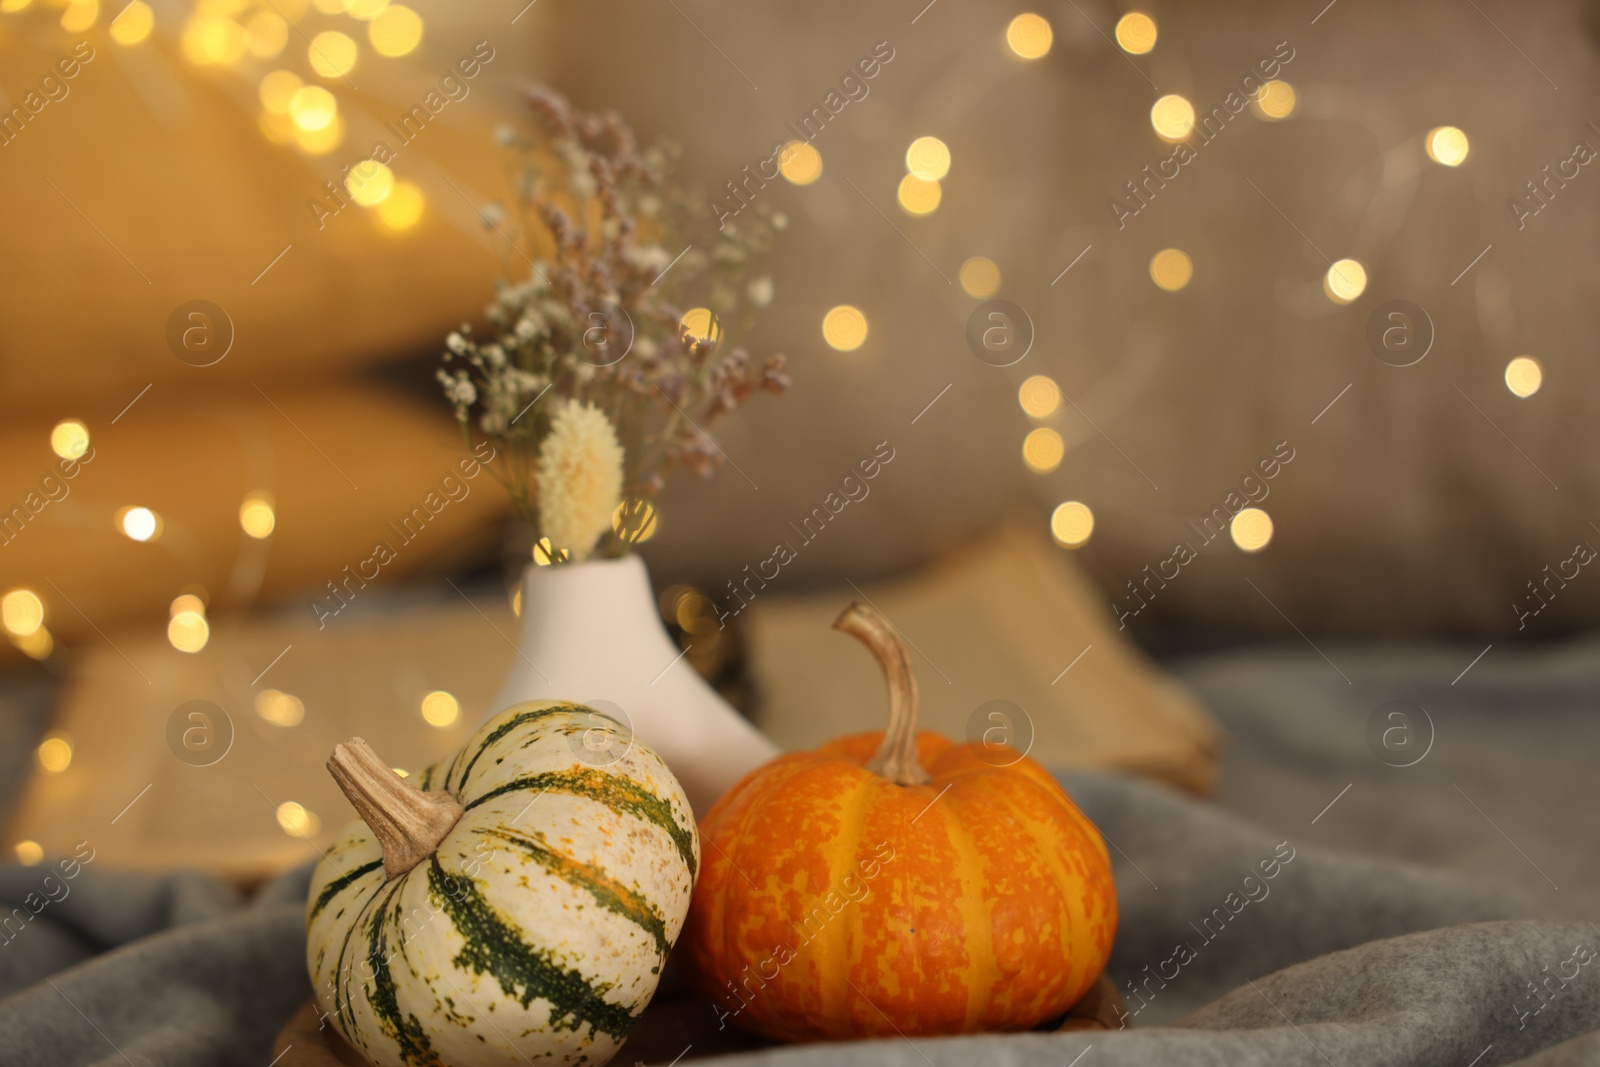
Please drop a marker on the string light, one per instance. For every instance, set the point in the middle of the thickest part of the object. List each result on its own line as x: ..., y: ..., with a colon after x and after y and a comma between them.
x: 188, y: 631
x: 185, y: 602
x: 1039, y: 396
x: 918, y: 196
x: 1345, y: 280
x: 54, y: 754
x: 844, y: 328
x: 440, y: 709
x: 369, y: 183
x: 257, y: 515
x: 322, y: 141
x: 280, y: 708
x: 297, y: 820
x: 928, y: 158
x: 28, y: 853
x: 700, y: 325
x: 1042, y: 450
x: 1172, y: 118
x: 1251, y: 529
x: 80, y: 15
x: 277, y: 91
x: 799, y: 163
x: 402, y: 208
x: 331, y: 54
x: 980, y: 276
x: 1447, y: 146
x: 1136, y: 33
x: 366, y: 10
x: 1171, y: 269
x: 139, y: 523
x: 266, y: 34
x: 133, y: 23
x: 69, y: 439
x: 1071, y: 524
x: 1275, y: 101
x: 1524, y: 376
x: 21, y: 612
x: 1029, y: 36
x: 395, y: 31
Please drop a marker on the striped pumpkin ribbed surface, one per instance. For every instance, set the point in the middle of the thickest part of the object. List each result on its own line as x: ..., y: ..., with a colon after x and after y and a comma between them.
x: 536, y: 929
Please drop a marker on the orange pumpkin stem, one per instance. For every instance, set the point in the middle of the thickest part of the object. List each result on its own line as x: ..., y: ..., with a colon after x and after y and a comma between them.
x: 896, y: 758
x: 407, y: 822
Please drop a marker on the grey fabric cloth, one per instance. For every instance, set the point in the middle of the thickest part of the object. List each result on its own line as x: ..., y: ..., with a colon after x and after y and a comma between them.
x: 1411, y: 918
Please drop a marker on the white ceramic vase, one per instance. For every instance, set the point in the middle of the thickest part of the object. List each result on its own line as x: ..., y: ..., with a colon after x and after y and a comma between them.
x: 590, y: 631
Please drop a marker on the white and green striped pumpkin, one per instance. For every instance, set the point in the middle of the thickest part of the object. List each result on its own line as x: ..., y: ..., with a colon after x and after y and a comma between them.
x: 518, y: 907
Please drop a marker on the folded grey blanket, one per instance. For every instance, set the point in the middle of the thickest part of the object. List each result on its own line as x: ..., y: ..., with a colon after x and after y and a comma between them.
x: 1259, y: 935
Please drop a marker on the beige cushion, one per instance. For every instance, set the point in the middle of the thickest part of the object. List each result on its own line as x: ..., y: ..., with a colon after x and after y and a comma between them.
x: 1009, y: 646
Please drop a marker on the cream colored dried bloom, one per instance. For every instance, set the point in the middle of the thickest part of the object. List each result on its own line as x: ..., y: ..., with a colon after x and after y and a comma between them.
x: 580, y: 477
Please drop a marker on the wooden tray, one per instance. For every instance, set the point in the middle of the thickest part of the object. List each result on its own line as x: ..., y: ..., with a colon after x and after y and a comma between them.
x: 670, y: 1031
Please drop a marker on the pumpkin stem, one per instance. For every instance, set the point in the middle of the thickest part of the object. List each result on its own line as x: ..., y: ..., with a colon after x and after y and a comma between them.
x: 896, y: 758
x: 407, y: 822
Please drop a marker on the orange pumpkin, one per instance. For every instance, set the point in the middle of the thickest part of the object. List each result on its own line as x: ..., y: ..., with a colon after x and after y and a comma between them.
x: 897, y: 882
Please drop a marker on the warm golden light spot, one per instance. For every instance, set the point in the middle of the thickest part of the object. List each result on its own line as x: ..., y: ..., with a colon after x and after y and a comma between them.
x: 1136, y: 33
x: 312, y: 107
x: 918, y: 196
x: 1251, y: 529
x: 37, y: 645
x: 928, y: 158
x: 1042, y: 450
x: 266, y: 34
x: 1172, y: 117
x: 980, y: 276
x: 1345, y: 281
x: 1029, y: 35
x: 21, y: 612
x: 844, y: 328
x: 516, y: 602
x: 440, y: 709
x: 395, y: 30
x: 1524, y: 376
x: 69, y: 439
x: 1071, y: 524
x: 1039, y: 396
x: 699, y: 324
x: 331, y: 54
x: 280, y: 708
x: 402, y: 208
x: 1171, y: 269
x: 544, y: 554
x: 1447, y: 146
x: 366, y: 10
x: 320, y: 142
x: 133, y: 23
x: 1275, y: 101
x: 55, y: 754
x: 634, y: 521
x: 298, y: 821
x: 80, y: 15
x: 188, y: 631
x: 8, y: 6
x: 369, y: 182
x: 277, y: 91
x: 800, y: 163
x: 331, y: 7
x: 206, y: 40
x: 185, y: 602
x: 257, y: 516
x: 139, y: 524
x: 28, y: 853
